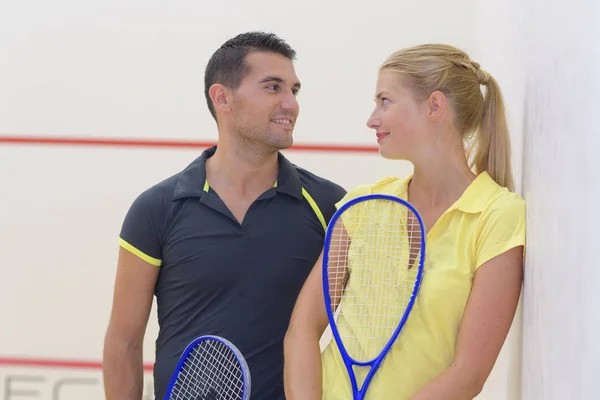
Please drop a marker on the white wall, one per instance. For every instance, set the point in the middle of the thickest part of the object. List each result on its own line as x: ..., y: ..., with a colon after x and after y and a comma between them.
x: 561, y: 322
x: 133, y: 69
x: 498, y: 46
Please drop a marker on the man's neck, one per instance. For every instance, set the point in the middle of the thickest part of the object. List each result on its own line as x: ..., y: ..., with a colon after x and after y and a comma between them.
x: 244, y: 171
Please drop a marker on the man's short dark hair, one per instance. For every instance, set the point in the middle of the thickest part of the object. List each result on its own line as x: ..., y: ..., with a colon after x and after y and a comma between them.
x: 228, y: 65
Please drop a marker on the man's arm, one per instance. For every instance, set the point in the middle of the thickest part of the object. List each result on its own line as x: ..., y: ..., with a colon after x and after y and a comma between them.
x: 123, y: 344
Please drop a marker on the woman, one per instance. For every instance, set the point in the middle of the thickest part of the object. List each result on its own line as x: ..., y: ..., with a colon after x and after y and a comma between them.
x: 429, y: 102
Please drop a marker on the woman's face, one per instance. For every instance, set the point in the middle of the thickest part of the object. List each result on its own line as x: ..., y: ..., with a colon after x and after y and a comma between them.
x: 399, y: 120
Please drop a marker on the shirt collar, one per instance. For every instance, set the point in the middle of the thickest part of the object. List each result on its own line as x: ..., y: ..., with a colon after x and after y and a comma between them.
x: 192, y: 180
x: 478, y: 195
x: 473, y: 200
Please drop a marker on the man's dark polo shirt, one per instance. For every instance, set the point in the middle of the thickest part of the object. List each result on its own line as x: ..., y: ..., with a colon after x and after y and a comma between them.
x: 222, y: 278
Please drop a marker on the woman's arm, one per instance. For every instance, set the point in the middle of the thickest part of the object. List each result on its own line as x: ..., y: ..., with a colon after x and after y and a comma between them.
x: 302, y: 352
x: 485, y: 325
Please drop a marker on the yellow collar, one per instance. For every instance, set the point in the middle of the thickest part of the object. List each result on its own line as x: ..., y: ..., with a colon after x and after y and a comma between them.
x: 473, y: 200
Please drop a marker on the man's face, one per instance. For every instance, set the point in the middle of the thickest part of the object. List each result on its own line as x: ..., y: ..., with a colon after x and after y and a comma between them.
x: 264, y: 106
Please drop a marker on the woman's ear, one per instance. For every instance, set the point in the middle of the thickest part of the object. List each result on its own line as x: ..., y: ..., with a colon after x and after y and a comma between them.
x: 437, y: 104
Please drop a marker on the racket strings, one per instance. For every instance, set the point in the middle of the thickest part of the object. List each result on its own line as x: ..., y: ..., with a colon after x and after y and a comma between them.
x: 373, y: 256
x: 211, y: 372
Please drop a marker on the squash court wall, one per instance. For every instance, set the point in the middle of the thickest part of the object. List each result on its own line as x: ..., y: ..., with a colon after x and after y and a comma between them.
x: 131, y: 70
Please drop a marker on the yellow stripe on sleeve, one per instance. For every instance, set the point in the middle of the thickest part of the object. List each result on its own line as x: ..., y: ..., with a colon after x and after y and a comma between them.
x: 140, y: 254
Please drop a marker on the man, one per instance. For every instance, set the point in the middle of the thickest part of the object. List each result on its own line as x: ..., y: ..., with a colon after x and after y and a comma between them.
x: 227, y: 243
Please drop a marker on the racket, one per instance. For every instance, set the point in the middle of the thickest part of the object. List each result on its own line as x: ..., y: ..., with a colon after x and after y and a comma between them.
x: 210, y: 368
x: 373, y: 260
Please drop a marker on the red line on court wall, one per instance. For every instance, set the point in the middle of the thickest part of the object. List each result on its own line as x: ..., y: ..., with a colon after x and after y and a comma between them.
x: 159, y: 143
x: 49, y: 363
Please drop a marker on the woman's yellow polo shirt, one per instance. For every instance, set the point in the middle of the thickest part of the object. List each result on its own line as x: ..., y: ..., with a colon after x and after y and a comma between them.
x: 486, y: 221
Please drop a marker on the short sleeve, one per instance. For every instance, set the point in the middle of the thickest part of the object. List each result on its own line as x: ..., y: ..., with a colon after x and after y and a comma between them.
x: 351, y: 215
x: 503, y: 228
x: 355, y: 192
x: 141, y: 232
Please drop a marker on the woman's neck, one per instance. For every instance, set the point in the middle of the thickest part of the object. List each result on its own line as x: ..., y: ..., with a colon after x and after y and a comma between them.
x: 440, y: 181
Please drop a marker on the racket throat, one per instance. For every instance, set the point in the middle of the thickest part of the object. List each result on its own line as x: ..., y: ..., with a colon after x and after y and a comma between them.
x: 360, y: 378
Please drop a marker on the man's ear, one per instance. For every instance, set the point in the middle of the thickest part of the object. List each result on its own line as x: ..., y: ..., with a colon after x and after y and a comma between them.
x: 221, y: 98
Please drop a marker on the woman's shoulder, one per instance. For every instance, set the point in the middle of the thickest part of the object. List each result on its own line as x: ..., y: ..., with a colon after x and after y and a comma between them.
x: 391, y: 185
x: 502, y: 225
x: 506, y: 204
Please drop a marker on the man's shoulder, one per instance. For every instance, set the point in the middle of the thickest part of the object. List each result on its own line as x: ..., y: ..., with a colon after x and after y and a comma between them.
x: 164, y: 188
x: 187, y: 181
x: 160, y: 194
x: 143, y: 227
x: 318, y: 185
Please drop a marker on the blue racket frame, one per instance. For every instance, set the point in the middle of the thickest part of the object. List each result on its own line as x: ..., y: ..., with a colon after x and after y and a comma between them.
x: 359, y: 394
x: 238, y: 355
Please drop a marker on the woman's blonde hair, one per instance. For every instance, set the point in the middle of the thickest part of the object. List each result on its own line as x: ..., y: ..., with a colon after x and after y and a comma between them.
x: 430, y: 67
